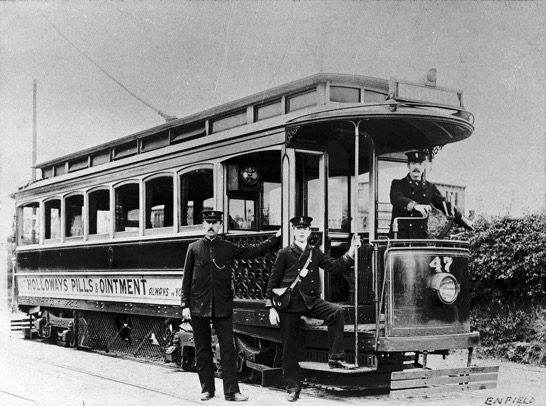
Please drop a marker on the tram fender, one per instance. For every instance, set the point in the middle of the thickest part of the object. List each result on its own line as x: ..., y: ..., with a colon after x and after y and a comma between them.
x: 428, y: 382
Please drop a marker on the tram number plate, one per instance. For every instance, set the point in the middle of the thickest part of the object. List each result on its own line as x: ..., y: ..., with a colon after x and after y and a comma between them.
x: 441, y: 264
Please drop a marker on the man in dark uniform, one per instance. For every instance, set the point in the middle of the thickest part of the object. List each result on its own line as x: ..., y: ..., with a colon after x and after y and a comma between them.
x: 413, y: 196
x: 207, y: 295
x: 305, y: 301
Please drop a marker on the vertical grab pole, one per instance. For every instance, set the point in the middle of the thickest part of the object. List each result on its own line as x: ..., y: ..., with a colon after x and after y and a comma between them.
x: 357, y: 222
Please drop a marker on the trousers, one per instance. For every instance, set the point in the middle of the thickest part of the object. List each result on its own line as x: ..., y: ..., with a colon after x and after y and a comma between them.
x: 202, y: 335
x: 293, y: 339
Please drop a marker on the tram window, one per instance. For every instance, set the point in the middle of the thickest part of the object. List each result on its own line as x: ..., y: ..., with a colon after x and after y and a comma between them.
x: 343, y: 94
x: 99, y: 212
x: 302, y: 100
x: 242, y: 214
x: 29, y: 220
x: 338, y: 203
x: 159, y: 202
x: 53, y: 219
x: 73, y: 216
x: 225, y: 123
x: 387, y: 171
x: 363, y: 201
x: 271, y: 210
x: 308, y: 185
x: 60, y: 169
x: 267, y: 110
x: 47, y: 172
x: 373, y: 97
x: 127, y: 208
x: 196, y: 195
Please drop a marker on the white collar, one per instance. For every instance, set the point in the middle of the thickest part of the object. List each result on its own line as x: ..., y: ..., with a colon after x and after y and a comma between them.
x: 302, y: 245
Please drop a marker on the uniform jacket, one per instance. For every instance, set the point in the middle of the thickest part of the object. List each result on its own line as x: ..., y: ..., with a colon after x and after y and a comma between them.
x: 289, y: 263
x: 405, y: 194
x: 208, y: 274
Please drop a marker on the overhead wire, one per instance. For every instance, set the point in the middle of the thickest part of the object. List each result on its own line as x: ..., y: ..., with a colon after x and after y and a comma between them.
x: 161, y: 113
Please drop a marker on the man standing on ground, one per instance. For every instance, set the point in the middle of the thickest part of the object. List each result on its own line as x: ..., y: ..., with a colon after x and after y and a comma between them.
x: 207, y: 296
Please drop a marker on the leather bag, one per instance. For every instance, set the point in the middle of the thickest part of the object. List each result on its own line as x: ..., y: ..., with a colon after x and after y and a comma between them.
x: 282, y: 296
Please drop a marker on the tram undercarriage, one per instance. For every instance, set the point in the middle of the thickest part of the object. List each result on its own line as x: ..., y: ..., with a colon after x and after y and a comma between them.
x: 403, y: 373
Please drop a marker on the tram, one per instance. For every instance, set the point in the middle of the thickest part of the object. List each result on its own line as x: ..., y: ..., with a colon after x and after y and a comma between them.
x: 102, y: 235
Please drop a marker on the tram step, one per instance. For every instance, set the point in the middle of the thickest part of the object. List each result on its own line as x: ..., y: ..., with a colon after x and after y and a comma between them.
x: 323, y: 366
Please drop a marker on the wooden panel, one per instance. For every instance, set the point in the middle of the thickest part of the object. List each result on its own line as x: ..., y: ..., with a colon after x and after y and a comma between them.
x: 442, y: 380
x: 426, y: 392
x: 423, y: 382
x: 429, y: 373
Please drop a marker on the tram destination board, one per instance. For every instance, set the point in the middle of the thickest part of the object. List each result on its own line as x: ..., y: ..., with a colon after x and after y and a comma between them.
x: 414, y: 92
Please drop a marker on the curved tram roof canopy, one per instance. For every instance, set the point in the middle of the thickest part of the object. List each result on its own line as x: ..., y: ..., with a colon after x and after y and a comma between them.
x: 397, y: 115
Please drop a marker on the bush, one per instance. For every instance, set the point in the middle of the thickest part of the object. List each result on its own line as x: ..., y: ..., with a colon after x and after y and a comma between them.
x: 512, y: 331
x: 508, y: 260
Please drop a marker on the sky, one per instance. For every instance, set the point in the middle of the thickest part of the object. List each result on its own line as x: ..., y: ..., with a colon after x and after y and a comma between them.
x: 182, y: 57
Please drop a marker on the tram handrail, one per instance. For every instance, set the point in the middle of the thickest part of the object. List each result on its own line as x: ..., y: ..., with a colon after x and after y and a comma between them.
x: 397, y: 219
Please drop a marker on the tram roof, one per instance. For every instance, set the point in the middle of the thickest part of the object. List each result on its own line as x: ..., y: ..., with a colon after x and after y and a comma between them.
x: 261, y: 98
x: 186, y: 131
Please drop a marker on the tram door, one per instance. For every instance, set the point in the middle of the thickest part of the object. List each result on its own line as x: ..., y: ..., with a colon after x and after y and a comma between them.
x: 310, y: 195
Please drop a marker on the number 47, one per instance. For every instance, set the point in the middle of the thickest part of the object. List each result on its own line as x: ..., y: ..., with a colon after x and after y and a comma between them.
x: 437, y: 264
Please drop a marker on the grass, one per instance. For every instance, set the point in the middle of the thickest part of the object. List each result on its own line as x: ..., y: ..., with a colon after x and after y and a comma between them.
x: 511, y: 331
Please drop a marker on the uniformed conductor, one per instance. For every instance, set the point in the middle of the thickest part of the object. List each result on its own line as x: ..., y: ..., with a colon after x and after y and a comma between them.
x: 413, y: 196
x: 207, y: 295
x: 305, y: 301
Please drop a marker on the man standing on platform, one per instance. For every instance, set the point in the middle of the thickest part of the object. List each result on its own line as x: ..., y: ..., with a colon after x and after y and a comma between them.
x: 297, y: 268
x: 413, y: 196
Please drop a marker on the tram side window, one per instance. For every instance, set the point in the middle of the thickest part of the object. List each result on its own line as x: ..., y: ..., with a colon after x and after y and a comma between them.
x: 29, y: 224
x: 196, y: 195
x: 73, y: 216
x: 127, y: 207
x: 159, y: 202
x: 242, y: 214
x: 99, y: 212
x: 253, y: 186
x: 53, y: 219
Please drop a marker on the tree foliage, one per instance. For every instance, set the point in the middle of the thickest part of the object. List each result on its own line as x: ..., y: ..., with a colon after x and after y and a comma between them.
x: 508, y: 260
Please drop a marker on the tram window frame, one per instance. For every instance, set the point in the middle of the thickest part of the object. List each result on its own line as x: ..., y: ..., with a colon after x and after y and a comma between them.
x: 48, y: 220
x: 28, y: 224
x: 151, y: 193
x: 135, y: 228
x: 184, y: 198
x: 92, y: 213
x: 74, y: 207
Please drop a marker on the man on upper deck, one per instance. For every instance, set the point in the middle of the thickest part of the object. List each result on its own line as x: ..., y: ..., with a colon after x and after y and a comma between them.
x: 413, y: 196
